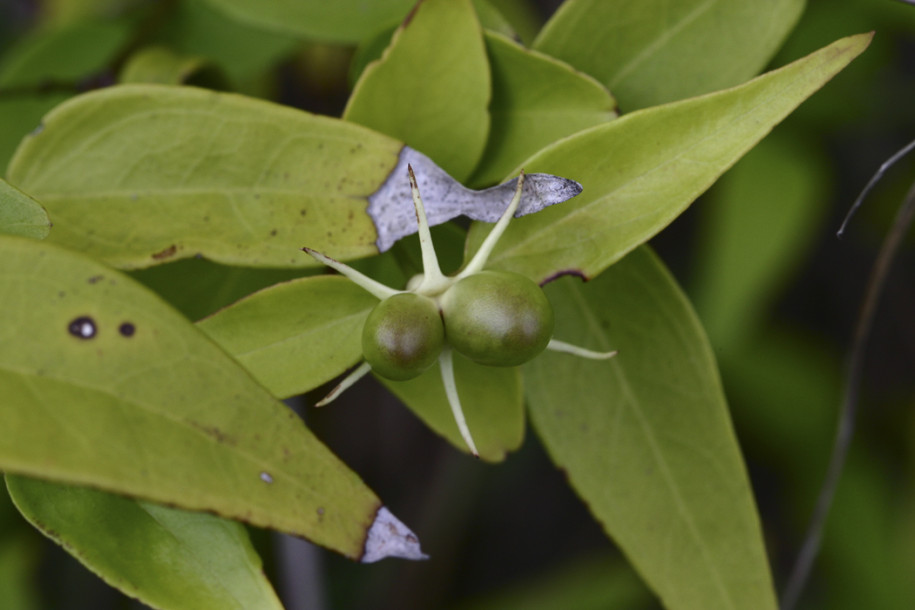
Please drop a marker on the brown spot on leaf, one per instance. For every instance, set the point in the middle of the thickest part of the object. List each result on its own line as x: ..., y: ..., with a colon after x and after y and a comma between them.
x: 167, y: 253
x: 576, y: 272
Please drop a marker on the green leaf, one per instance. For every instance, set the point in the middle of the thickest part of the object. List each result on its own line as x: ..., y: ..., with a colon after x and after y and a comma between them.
x: 639, y: 172
x: 490, y: 397
x: 339, y: 21
x: 653, y: 52
x: 646, y: 439
x: 21, y: 215
x: 294, y: 336
x: 161, y: 65
x: 166, y: 558
x: 243, y: 52
x: 63, y: 56
x: 20, y: 114
x: 536, y: 100
x: 137, y: 175
x: 45, y: 68
x: 757, y: 224
x: 104, y: 385
x: 431, y: 86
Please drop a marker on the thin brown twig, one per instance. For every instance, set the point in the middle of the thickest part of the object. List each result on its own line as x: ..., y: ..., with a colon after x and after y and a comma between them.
x: 849, y: 406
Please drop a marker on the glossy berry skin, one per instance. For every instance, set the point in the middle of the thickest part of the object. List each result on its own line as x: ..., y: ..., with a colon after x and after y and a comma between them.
x: 497, y: 318
x: 403, y: 336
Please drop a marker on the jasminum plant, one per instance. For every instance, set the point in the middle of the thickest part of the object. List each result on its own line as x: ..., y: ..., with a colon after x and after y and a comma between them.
x: 493, y: 317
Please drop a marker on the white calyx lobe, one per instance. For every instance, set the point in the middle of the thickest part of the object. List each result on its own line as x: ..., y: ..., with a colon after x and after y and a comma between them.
x: 389, y: 537
x: 432, y: 283
x: 393, y: 216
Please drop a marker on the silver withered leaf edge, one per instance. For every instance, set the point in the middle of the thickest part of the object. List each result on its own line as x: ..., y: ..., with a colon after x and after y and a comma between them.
x: 391, y: 206
x: 389, y: 537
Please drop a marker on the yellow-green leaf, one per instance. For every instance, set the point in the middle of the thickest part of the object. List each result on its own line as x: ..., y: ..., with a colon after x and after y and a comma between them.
x: 21, y: 215
x: 646, y: 439
x: 165, y: 557
x: 104, y: 385
x: 536, y: 100
x: 654, y: 51
x: 640, y: 171
x: 294, y: 336
x: 431, y: 86
x: 137, y: 175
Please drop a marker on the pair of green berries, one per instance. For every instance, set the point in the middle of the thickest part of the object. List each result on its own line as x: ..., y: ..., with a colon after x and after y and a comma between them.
x: 495, y: 318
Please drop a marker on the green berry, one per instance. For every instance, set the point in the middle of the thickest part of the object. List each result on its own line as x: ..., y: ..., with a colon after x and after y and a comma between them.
x: 403, y: 336
x: 497, y: 318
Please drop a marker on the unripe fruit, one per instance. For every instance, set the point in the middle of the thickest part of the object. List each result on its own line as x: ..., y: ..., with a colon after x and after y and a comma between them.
x: 403, y: 336
x: 498, y: 318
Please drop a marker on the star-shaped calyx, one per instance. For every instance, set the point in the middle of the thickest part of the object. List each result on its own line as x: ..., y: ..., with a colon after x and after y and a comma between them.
x: 496, y: 318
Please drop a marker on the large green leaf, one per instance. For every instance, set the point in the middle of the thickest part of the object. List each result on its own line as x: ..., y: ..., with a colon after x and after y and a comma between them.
x: 536, y: 100
x: 639, y: 172
x: 104, y: 385
x: 491, y: 399
x: 338, y: 21
x: 140, y: 174
x: 165, y: 557
x: 653, y: 52
x: 431, y: 86
x: 294, y: 336
x: 646, y: 440
x: 21, y: 215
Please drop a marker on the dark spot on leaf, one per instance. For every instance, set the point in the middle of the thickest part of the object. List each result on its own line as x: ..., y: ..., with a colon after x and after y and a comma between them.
x: 303, y: 212
x: 127, y: 329
x: 273, y: 233
x: 167, y: 253
x: 576, y: 272
x: 206, y: 219
x: 61, y: 294
x: 213, y: 431
x: 82, y: 327
x: 96, y: 279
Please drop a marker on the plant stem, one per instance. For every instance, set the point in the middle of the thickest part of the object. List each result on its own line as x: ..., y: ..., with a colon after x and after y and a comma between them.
x: 848, y: 410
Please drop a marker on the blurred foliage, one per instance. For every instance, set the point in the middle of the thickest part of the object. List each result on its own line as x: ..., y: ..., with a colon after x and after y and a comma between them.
x: 777, y: 292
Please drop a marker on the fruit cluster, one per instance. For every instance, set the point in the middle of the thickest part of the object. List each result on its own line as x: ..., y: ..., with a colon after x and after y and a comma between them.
x: 495, y: 318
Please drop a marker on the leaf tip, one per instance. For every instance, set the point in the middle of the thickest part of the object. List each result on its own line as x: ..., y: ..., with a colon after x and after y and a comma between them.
x: 389, y: 537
